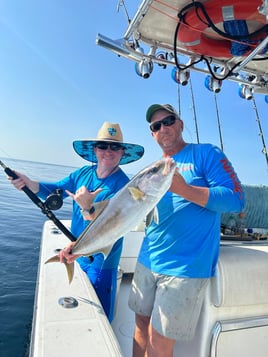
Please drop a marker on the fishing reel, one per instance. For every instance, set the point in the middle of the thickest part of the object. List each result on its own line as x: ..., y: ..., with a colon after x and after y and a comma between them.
x: 213, y: 84
x: 245, y: 91
x: 180, y: 76
x: 54, y: 201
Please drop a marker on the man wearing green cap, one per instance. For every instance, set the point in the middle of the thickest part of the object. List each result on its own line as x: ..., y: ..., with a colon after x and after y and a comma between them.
x: 179, y: 254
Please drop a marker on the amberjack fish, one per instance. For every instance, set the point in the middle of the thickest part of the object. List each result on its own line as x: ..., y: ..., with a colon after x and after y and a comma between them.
x: 114, y: 218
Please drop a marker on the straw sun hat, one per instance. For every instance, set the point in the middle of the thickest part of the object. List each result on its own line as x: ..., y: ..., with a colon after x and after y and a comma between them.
x: 110, y: 133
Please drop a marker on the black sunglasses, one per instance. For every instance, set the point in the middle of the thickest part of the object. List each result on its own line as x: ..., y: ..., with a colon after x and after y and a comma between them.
x: 167, y: 121
x: 112, y: 146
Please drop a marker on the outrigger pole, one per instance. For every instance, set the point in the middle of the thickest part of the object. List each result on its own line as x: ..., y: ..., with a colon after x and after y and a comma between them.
x: 40, y: 204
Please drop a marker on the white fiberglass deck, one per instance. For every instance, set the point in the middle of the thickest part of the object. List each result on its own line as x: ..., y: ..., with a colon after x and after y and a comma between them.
x: 233, y: 320
x: 57, y: 331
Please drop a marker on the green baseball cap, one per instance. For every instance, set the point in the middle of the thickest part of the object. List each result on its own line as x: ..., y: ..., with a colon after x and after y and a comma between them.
x: 155, y: 107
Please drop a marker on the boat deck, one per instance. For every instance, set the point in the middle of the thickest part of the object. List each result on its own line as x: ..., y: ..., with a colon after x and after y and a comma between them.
x: 233, y: 320
x: 124, y: 321
x: 77, y: 325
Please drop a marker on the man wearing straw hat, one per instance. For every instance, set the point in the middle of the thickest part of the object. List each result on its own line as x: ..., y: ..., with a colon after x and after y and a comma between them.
x: 96, y: 182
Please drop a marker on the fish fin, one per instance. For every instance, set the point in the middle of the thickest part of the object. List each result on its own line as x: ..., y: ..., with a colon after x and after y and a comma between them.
x: 106, y: 251
x: 54, y: 259
x: 149, y: 218
x: 95, y: 211
x: 69, y: 267
x: 152, y: 216
x: 156, y: 215
x: 70, y: 271
x: 136, y: 193
x: 140, y: 226
x: 97, y: 208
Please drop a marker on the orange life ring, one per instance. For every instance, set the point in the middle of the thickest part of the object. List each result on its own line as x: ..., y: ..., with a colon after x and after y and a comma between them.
x: 198, y: 42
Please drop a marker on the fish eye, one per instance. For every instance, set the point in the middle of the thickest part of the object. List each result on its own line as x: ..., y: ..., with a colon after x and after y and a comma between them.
x: 154, y: 170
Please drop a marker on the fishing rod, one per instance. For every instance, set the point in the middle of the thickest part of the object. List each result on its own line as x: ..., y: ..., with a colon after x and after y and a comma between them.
x: 44, y: 208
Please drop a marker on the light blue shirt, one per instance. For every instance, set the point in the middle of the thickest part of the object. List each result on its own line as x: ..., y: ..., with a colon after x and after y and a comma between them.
x: 86, y: 176
x: 102, y: 273
x: 185, y: 243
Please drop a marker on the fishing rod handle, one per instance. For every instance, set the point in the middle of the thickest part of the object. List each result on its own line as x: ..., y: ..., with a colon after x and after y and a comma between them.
x: 39, y: 203
x: 10, y: 173
x: 26, y: 189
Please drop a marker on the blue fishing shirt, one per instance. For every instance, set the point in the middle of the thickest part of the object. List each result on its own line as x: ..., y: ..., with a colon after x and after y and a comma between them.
x: 102, y: 273
x: 185, y: 243
x: 85, y: 176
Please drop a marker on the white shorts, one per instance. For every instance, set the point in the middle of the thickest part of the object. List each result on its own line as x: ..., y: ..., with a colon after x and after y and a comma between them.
x: 173, y: 303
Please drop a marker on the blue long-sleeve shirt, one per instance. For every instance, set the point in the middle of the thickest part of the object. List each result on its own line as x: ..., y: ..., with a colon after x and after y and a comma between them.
x: 85, y: 176
x: 185, y: 243
x: 102, y: 273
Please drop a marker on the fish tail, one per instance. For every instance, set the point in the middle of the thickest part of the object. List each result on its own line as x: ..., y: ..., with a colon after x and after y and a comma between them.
x: 70, y: 271
x: 69, y: 267
x: 54, y: 259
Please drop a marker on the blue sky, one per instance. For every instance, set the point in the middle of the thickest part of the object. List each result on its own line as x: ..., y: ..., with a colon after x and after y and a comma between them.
x: 57, y: 85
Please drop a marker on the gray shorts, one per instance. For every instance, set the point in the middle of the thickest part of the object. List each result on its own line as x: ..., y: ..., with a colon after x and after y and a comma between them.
x: 173, y: 303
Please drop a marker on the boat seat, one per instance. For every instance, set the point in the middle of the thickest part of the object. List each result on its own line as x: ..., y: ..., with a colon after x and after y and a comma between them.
x: 242, y: 277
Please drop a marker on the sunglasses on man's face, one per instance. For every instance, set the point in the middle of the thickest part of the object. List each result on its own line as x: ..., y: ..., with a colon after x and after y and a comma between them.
x: 112, y: 146
x: 167, y: 121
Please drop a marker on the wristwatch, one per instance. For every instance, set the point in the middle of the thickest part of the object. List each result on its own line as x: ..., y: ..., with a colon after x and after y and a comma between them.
x: 87, y: 212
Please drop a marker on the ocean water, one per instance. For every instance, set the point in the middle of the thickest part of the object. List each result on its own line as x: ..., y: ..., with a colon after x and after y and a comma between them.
x: 21, y: 223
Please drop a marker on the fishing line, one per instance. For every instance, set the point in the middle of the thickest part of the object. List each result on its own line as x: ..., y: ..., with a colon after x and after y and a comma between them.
x: 264, y: 150
x: 7, y: 156
x: 218, y: 119
x: 179, y: 99
x: 194, y: 111
x: 122, y: 3
x: 40, y: 204
x: 185, y: 128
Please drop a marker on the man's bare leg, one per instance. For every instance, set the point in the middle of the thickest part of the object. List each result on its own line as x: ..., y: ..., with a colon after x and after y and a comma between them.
x: 140, y: 339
